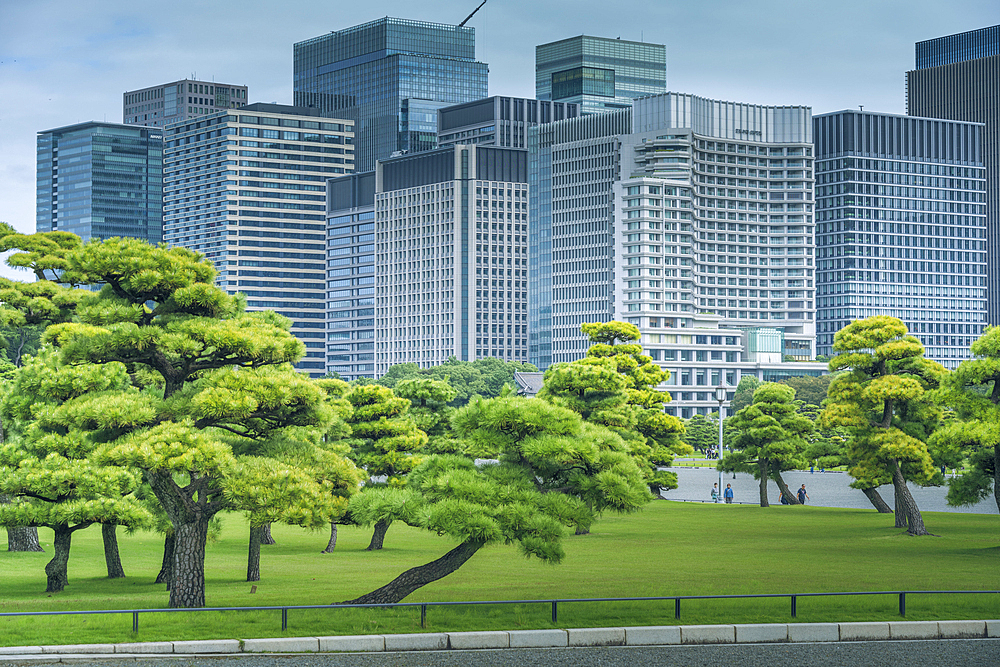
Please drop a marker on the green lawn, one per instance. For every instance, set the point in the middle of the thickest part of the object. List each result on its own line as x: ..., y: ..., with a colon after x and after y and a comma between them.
x: 668, y: 549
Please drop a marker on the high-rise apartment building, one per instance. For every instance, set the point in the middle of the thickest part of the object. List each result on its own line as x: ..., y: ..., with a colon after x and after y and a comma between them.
x: 451, y: 231
x: 350, y: 276
x: 247, y: 188
x: 690, y: 218
x: 598, y: 73
x: 159, y: 106
x: 901, y: 227
x: 100, y: 180
x: 390, y: 76
x: 498, y: 121
x: 958, y: 78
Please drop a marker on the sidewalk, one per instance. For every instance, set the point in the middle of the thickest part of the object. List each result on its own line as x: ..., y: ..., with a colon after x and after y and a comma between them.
x: 458, y: 641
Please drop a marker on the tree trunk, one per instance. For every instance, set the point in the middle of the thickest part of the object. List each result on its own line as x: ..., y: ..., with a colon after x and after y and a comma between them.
x: 57, y: 568
x: 21, y: 538
x: 253, y: 555
x: 265, y: 537
x: 790, y: 497
x: 111, y: 556
x: 415, y: 578
x: 332, y: 544
x: 378, y: 536
x: 167, y: 566
x: 876, y: 500
x: 898, y: 502
x: 187, y: 586
x: 762, y: 471
x: 909, y: 506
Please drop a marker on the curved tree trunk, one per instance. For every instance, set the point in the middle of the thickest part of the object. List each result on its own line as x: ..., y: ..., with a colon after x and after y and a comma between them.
x: 265, y: 536
x: 167, y: 566
x: 378, y: 536
x: 898, y: 502
x: 876, y: 500
x: 909, y: 505
x: 21, y: 538
x: 332, y: 544
x: 187, y: 585
x: 112, y: 557
x: 415, y: 578
x: 56, y: 570
x: 253, y: 555
x: 790, y: 497
x: 762, y: 472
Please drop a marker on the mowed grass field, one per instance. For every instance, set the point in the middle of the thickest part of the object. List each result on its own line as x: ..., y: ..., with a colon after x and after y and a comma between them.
x: 667, y: 549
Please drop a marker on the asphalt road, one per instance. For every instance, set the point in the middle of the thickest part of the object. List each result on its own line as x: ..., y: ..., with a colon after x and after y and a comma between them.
x: 946, y: 652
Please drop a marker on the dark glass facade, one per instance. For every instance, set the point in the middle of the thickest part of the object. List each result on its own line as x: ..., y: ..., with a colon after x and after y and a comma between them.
x: 101, y: 180
x: 970, y: 45
x: 901, y: 227
x: 599, y: 74
x: 390, y: 76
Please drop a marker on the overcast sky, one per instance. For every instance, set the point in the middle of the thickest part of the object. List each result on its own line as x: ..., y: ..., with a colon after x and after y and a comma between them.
x: 69, y: 61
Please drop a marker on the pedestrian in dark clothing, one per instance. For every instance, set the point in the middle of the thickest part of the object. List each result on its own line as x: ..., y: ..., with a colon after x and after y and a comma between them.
x: 803, y: 496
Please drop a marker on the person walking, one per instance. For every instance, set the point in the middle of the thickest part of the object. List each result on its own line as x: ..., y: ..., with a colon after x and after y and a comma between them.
x: 715, y: 492
x: 803, y: 496
x: 729, y: 494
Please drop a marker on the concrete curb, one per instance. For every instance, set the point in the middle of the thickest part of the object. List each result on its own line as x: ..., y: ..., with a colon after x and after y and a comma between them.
x: 492, y: 640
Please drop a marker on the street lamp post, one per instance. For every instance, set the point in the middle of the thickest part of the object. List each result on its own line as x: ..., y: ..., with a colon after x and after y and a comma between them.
x: 720, y: 395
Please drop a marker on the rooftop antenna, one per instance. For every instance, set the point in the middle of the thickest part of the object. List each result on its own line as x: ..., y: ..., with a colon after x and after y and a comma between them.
x: 861, y: 106
x: 472, y: 14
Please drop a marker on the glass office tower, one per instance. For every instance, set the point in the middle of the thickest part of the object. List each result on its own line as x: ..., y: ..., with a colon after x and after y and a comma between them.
x: 958, y: 78
x: 101, y: 180
x: 901, y: 227
x: 390, y: 76
x: 599, y: 74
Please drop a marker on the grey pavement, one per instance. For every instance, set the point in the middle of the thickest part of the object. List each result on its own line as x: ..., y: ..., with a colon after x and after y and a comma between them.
x: 826, y: 489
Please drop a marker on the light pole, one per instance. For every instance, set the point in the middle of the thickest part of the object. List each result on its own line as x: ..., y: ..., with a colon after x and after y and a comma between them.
x: 720, y: 395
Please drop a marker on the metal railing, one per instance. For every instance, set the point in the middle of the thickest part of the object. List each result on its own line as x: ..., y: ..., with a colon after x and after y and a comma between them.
x: 793, y: 597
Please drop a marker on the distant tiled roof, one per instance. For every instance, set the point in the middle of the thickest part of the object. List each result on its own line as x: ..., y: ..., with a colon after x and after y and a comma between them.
x: 528, y: 384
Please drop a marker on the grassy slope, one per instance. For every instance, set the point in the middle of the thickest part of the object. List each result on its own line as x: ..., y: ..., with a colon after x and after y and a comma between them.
x: 668, y: 549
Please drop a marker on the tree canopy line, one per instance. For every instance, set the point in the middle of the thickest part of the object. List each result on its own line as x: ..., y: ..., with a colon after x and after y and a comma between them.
x: 154, y: 400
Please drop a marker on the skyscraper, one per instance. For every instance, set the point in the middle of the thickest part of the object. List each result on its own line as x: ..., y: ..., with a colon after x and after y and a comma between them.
x: 958, y: 78
x: 390, y: 76
x: 901, y: 227
x: 598, y: 73
x: 451, y: 256
x: 158, y: 106
x: 101, y: 180
x: 248, y: 189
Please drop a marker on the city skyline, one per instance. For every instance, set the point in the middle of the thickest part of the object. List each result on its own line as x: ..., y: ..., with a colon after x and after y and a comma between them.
x: 76, y: 67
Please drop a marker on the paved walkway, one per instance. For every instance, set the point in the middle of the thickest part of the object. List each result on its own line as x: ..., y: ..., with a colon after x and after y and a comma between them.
x: 515, y: 639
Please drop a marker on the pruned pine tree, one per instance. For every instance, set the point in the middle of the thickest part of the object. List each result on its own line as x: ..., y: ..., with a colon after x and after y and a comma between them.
x: 772, y: 437
x: 25, y: 310
x: 973, y: 392
x: 56, y: 416
x: 884, y: 404
x: 615, y: 386
x: 182, y: 339
x: 430, y: 411
x: 552, y: 465
x: 386, y: 444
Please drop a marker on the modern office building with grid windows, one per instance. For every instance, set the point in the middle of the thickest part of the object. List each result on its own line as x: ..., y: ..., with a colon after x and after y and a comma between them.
x: 100, y: 180
x: 901, y: 227
x: 958, y: 78
x: 159, y: 106
x: 248, y: 189
x: 390, y: 76
x: 598, y: 73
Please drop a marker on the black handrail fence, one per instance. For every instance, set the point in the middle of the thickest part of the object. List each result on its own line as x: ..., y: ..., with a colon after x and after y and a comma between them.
x: 793, y: 597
